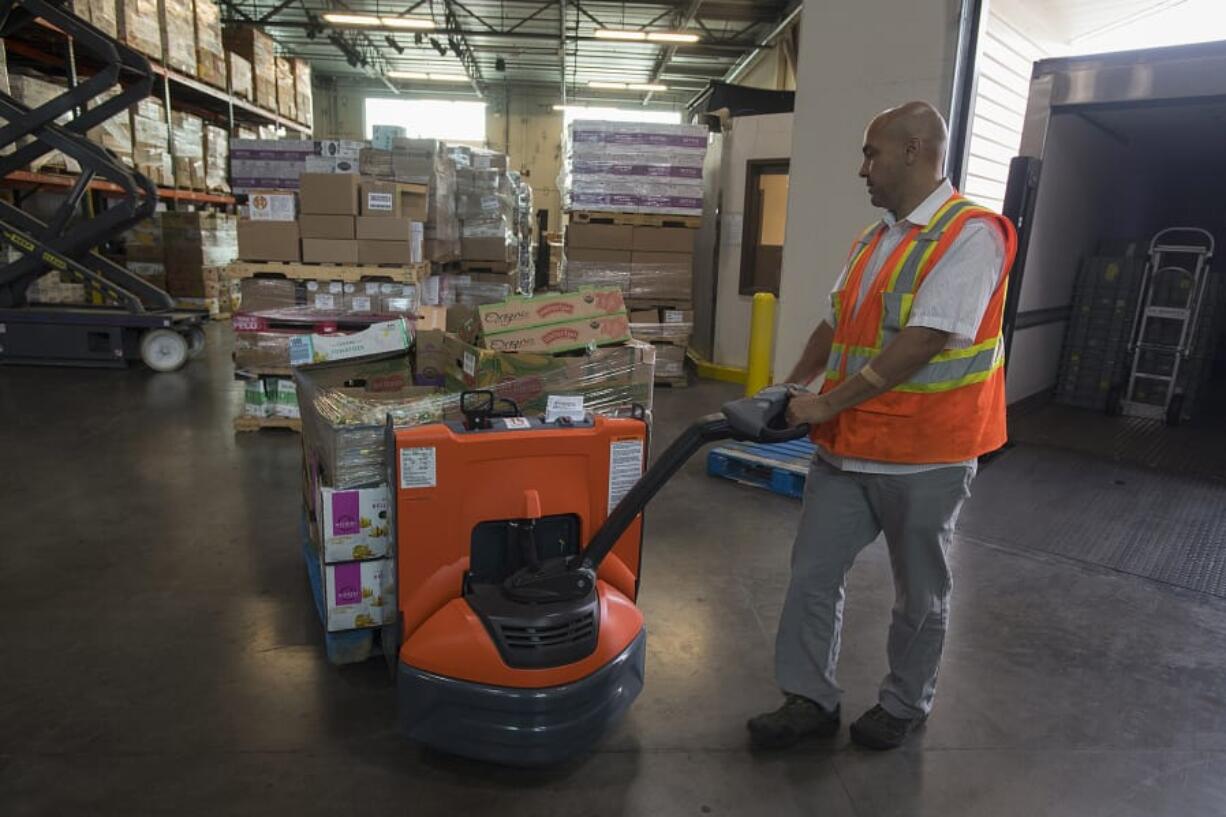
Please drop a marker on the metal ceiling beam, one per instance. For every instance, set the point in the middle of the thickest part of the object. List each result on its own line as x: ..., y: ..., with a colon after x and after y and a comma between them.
x: 788, y: 19
x: 275, y: 10
x: 548, y: 4
x: 684, y: 20
x: 562, y: 45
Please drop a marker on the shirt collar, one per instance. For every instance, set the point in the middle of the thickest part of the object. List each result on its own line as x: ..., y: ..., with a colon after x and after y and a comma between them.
x: 921, y: 215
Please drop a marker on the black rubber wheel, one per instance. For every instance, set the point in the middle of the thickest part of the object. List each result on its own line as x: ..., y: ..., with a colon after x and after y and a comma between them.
x: 1174, y: 412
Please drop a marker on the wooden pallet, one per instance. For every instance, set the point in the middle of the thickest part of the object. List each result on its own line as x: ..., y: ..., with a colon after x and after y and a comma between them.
x: 636, y: 219
x: 349, y: 273
x: 657, y: 303
x: 220, y: 316
x: 244, y: 423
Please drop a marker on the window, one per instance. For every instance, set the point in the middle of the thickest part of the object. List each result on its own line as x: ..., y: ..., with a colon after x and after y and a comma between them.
x: 766, y: 219
x: 450, y: 120
x: 574, y: 112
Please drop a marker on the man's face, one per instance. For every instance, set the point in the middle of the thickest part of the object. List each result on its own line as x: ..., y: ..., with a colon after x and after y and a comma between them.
x: 884, y: 166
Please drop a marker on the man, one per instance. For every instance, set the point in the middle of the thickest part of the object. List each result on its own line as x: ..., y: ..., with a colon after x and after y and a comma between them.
x: 914, y: 394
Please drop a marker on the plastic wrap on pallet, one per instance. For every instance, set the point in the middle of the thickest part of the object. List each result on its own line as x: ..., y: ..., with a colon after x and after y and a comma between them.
x: 653, y: 332
x: 115, y: 134
x: 216, y: 159
x: 139, y: 25
x: 178, y: 21
x: 257, y: 48
x: 303, y: 95
x: 429, y: 162
x: 268, y: 164
x: 287, y: 104
x: 102, y: 15
x: 151, y: 142
x: 637, y: 281
x: 241, y: 78
x: 187, y: 150
x: 470, y: 290
x: 210, y: 53
x: 579, y: 274
x: 258, y: 351
x: 344, y: 426
x: 35, y: 91
x: 633, y: 167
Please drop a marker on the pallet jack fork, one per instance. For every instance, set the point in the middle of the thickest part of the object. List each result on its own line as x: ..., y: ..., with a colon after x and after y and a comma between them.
x: 136, y: 320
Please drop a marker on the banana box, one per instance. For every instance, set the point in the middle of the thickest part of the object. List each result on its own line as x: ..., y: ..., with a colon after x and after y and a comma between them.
x: 359, y: 595
x: 353, y: 524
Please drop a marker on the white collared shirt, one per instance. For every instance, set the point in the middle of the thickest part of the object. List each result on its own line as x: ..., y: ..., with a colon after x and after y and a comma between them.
x: 952, y: 298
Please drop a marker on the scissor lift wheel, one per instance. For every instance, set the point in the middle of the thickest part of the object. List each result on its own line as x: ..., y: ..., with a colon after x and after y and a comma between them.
x: 164, y: 350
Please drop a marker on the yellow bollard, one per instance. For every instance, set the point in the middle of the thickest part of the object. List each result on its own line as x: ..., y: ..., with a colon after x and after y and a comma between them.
x: 761, y: 341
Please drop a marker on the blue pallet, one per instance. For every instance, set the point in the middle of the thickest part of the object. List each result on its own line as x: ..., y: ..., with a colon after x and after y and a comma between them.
x: 779, y: 468
x: 345, y: 646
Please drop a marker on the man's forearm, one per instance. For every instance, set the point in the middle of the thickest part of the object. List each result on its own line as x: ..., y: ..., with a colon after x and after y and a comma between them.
x: 898, y: 362
x: 815, y: 356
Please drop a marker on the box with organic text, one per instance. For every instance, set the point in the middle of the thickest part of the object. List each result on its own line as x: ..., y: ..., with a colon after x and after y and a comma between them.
x: 359, y: 594
x: 353, y: 524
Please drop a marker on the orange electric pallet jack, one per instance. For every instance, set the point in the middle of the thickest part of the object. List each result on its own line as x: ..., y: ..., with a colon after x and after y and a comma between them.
x: 517, y: 645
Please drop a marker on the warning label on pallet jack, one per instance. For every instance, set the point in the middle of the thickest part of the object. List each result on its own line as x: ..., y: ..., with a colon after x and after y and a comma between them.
x: 625, y: 468
x: 418, y: 468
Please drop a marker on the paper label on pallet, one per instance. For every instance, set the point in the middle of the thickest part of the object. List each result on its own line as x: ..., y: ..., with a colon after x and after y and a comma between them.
x: 565, y: 405
x: 516, y: 423
x: 625, y: 468
x: 671, y: 316
x: 324, y: 301
x: 470, y: 367
x: 336, y: 287
x: 418, y: 468
x: 372, y: 288
x: 379, y: 201
x: 361, y: 304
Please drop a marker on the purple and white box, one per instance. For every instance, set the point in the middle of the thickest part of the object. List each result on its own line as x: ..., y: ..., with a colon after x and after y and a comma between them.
x: 359, y: 595
x: 354, y: 523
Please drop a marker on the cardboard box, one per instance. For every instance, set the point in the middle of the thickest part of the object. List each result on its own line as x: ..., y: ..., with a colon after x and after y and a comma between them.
x: 380, y: 228
x: 341, y: 148
x: 258, y: 49
x: 268, y: 241
x: 388, y: 252
x: 600, y: 236
x: 272, y: 206
x: 496, y: 250
x: 396, y: 200
x: 666, y: 276
x: 384, y: 136
x: 664, y: 239
x: 430, y: 318
x: 285, y: 400
x: 313, y: 226
x: 329, y: 250
x: 256, y: 402
x: 549, y: 309
x: 259, y: 294
x: 564, y: 337
x: 326, y: 194
x: 354, y: 524
x: 379, y: 338
x: 241, y: 79
x: 325, y: 295
x: 584, y: 255
x: 359, y: 594
x: 670, y: 360
x: 329, y: 164
x: 431, y: 357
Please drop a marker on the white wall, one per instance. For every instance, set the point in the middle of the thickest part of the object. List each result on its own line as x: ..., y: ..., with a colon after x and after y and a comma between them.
x: 750, y: 137
x: 856, y: 59
x: 1073, y: 213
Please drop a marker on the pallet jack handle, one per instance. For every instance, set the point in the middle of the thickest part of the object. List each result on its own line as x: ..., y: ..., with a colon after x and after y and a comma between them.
x: 761, y: 418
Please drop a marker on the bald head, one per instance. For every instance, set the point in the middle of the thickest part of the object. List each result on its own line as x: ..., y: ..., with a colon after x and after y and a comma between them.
x: 904, y: 155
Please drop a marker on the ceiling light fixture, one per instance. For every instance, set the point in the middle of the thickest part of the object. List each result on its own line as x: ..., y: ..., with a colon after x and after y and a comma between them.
x: 373, y: 21
x: 408, y: 75
x: 672, y: 37
x: 654, y: 87
x: 619, y: 34
x: 423, y: 76
x: 608, y: 86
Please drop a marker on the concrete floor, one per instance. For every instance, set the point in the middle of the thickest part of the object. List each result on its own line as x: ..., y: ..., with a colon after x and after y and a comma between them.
x: 159, y: 653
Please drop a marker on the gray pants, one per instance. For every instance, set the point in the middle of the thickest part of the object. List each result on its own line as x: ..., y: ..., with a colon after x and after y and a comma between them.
x: 843, y: 513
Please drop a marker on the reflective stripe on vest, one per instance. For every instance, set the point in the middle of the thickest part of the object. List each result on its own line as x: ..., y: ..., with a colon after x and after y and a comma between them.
x: 952, y: 368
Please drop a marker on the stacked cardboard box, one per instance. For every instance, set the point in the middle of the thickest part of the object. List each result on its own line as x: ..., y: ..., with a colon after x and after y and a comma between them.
x: 102, y: 15
x: 652, y: 266
x: 485, y: 205
x: 178, y: 24
x: 362, y: 297
x: 256, y: 48
x: 151, y: 142
x: 115, y: 134
x: 268, y: 164
x: 238, y: 69
x: 216, y: 159
x: 634, y: 167
x: 196, y: 246
x: 143, y: 251
x: 210, y: 53
x: 669, y: 331
x: 187, y: 150
x: 139, y: 24
x: 423, y: 162
x: 34, y: 91
x: 303, y: 95
x: 556, y: 322
x: 287, y: 104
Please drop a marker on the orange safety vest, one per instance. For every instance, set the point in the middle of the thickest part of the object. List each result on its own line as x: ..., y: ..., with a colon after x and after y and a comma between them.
x: 953, y: 409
